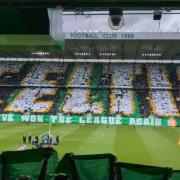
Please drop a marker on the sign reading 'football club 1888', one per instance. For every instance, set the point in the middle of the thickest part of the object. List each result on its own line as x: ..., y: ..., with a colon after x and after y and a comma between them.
x: 122, y: 35
x: 94, y: 35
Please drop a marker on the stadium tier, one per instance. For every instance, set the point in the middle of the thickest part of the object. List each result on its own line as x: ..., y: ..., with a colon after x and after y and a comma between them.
x: 129, y: 90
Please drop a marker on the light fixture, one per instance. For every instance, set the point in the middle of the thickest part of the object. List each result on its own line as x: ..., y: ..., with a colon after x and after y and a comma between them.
x: 40, y: 53
x: 115, y: 19
x: 82, y: 53
x: 157, y: 15
x: 151, y: 54
x: 107, y: 54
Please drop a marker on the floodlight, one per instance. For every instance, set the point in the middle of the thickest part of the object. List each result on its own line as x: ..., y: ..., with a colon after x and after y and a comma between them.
x: 115, y: 20
x: 157, y: 15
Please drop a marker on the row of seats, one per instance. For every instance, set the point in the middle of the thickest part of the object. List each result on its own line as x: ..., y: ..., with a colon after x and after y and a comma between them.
x: 43, y: 164
x: 48, y: 74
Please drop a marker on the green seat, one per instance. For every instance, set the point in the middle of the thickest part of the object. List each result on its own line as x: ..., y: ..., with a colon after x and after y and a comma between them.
x: 29, y: 162
x: 127, y: 171
x: 88, y: 167
x: 175, y: 175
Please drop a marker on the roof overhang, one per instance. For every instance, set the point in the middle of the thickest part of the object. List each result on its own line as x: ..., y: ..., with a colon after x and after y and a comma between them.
x: 94, y: 4
x: 24, y: 46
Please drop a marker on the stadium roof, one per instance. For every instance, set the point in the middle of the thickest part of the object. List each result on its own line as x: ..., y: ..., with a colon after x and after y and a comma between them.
x: 94, y: 49
x: 25, y: 31
x: 94, y: 4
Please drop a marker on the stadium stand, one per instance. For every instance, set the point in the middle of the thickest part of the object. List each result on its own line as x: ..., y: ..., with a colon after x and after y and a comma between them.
x: 76, y: 89
x: 130, y: 85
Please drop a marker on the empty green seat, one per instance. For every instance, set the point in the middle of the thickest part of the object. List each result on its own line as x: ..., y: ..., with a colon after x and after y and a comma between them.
x: 175, y: 175
x: 29, y: 162
x: 127, y: 171
x: 88, y: 167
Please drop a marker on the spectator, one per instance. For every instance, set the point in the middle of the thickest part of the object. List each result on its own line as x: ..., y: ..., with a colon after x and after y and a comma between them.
x: 57, y: 139
x: 30, y: 138
x: 24, y: 139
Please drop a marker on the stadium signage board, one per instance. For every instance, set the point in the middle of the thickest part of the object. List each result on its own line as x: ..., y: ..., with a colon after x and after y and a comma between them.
x: 118, y: 120
x: 122, y: 35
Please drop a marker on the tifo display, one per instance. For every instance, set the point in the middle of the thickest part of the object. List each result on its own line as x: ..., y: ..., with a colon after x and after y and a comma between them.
x: 90, y: 89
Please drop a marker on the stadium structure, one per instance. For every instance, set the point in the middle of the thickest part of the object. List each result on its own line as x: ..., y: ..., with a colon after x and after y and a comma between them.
x: 108, y: 92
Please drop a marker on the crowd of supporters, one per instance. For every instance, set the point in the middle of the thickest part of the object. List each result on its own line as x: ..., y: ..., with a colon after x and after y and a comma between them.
x: 87, y: 88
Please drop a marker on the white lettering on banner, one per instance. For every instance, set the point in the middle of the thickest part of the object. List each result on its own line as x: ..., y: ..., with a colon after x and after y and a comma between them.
x: 111, y: 120
x: 4, y: 117
x: 61, y: 119
x: 25, y: 118
x: 132, y: 121
x: 8, y: 117
x: 139, y: 121
x: 39, y: 118
x: 89, y: 119
x: 53, y: 119
x: 68, y: 120
x: 152, y: 121
x: 82, y: 121
x: 158, y: 122
x: 118, y: 120
x: 146, y: 122
x: 33, y: 118
x: 96, y: 120
x: 103, y: 120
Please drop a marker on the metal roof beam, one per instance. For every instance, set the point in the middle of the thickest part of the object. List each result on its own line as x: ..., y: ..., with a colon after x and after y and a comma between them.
x: 94, y: 4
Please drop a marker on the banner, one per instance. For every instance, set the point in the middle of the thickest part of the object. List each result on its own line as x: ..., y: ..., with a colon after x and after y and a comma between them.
x: 118, y: 120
